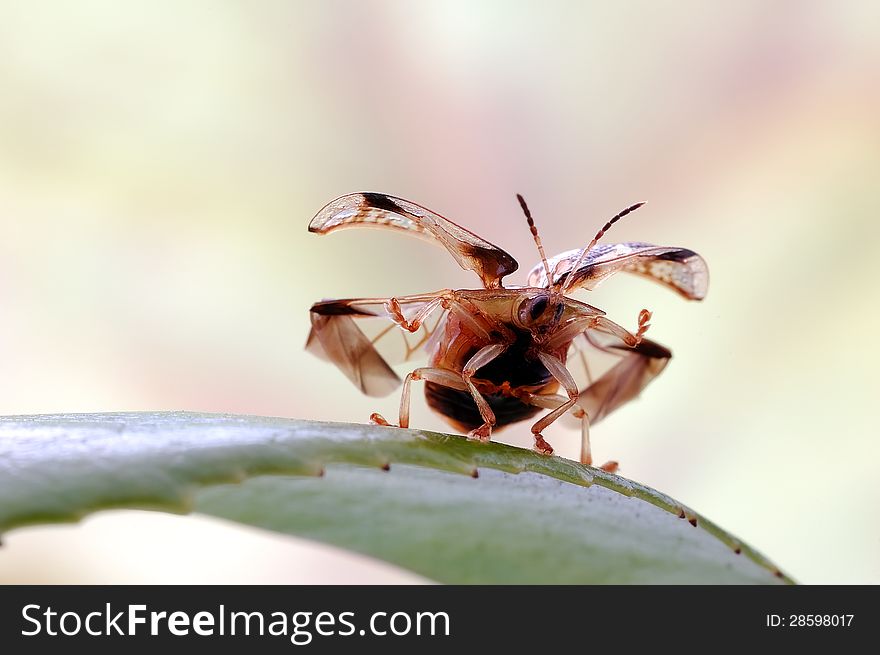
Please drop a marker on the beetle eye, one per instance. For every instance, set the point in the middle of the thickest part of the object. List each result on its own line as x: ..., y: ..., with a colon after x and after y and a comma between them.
x: 560, y: 309
x: 533, y: 311
x: 538, y: 307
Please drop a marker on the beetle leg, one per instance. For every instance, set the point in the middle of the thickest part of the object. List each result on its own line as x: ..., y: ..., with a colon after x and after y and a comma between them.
x: 557, y: 370
x: 586, y: 450
x: 555, y: 400
x: 608, y: 326
x: 454, y: 380
x: 438, y: 375
x: 564, y: 336
x: 610, y: 466
x: 482, y: 357
x: 644, y: 318
x: 476, y: 320
x: 377, y: 419
x: 394, y: 309
x: 544, y: 400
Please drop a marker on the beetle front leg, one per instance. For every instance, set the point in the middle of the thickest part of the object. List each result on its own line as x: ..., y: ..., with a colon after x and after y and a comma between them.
x: 608, y: 326
x: 482, y: 357
x: 557, y: 370
x: 555, y: 400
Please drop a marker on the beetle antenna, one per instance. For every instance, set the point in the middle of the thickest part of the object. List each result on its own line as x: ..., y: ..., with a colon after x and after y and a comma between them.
x: 570, y: 277
x: 531, y: 222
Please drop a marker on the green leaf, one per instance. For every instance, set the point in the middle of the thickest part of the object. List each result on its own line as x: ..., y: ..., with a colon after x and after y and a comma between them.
x: 451, y: 509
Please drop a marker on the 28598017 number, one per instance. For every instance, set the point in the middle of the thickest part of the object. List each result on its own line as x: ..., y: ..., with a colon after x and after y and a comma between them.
x: 827, y: 620
x: 820, y: 620
x: 809, y: 620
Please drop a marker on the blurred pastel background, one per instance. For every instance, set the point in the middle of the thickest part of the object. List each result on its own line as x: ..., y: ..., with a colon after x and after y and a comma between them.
x: 159, y: 163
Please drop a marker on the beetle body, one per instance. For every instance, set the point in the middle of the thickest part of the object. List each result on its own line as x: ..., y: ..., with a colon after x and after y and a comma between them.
x: 499, y: 355
x: 501, y: 381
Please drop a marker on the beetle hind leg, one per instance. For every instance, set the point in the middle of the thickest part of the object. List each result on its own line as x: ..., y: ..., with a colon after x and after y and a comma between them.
x: 449, y: 379
x: 586, y: 450
x: 454, y: 380
x: 554, y: 401
x: 429, y: 374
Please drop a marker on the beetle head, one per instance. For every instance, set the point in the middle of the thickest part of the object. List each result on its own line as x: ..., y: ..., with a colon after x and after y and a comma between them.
x: 540, y: 313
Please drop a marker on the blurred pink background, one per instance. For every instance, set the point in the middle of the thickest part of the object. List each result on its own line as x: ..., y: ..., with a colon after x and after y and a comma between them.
x: 159, y: 163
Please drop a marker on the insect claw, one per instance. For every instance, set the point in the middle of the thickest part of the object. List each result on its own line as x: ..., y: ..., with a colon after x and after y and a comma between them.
x: 393, y: 308
x: 542, y: 446
x: 610, y: 467
x: 644, y: 318
x: 377, y: 419
x: 482, y: 433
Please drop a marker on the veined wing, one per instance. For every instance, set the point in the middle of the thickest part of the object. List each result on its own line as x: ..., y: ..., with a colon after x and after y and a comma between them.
x: 378, y: 210
x: 609, y: 373
x: 680, y: 269
x: 360, y: 336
